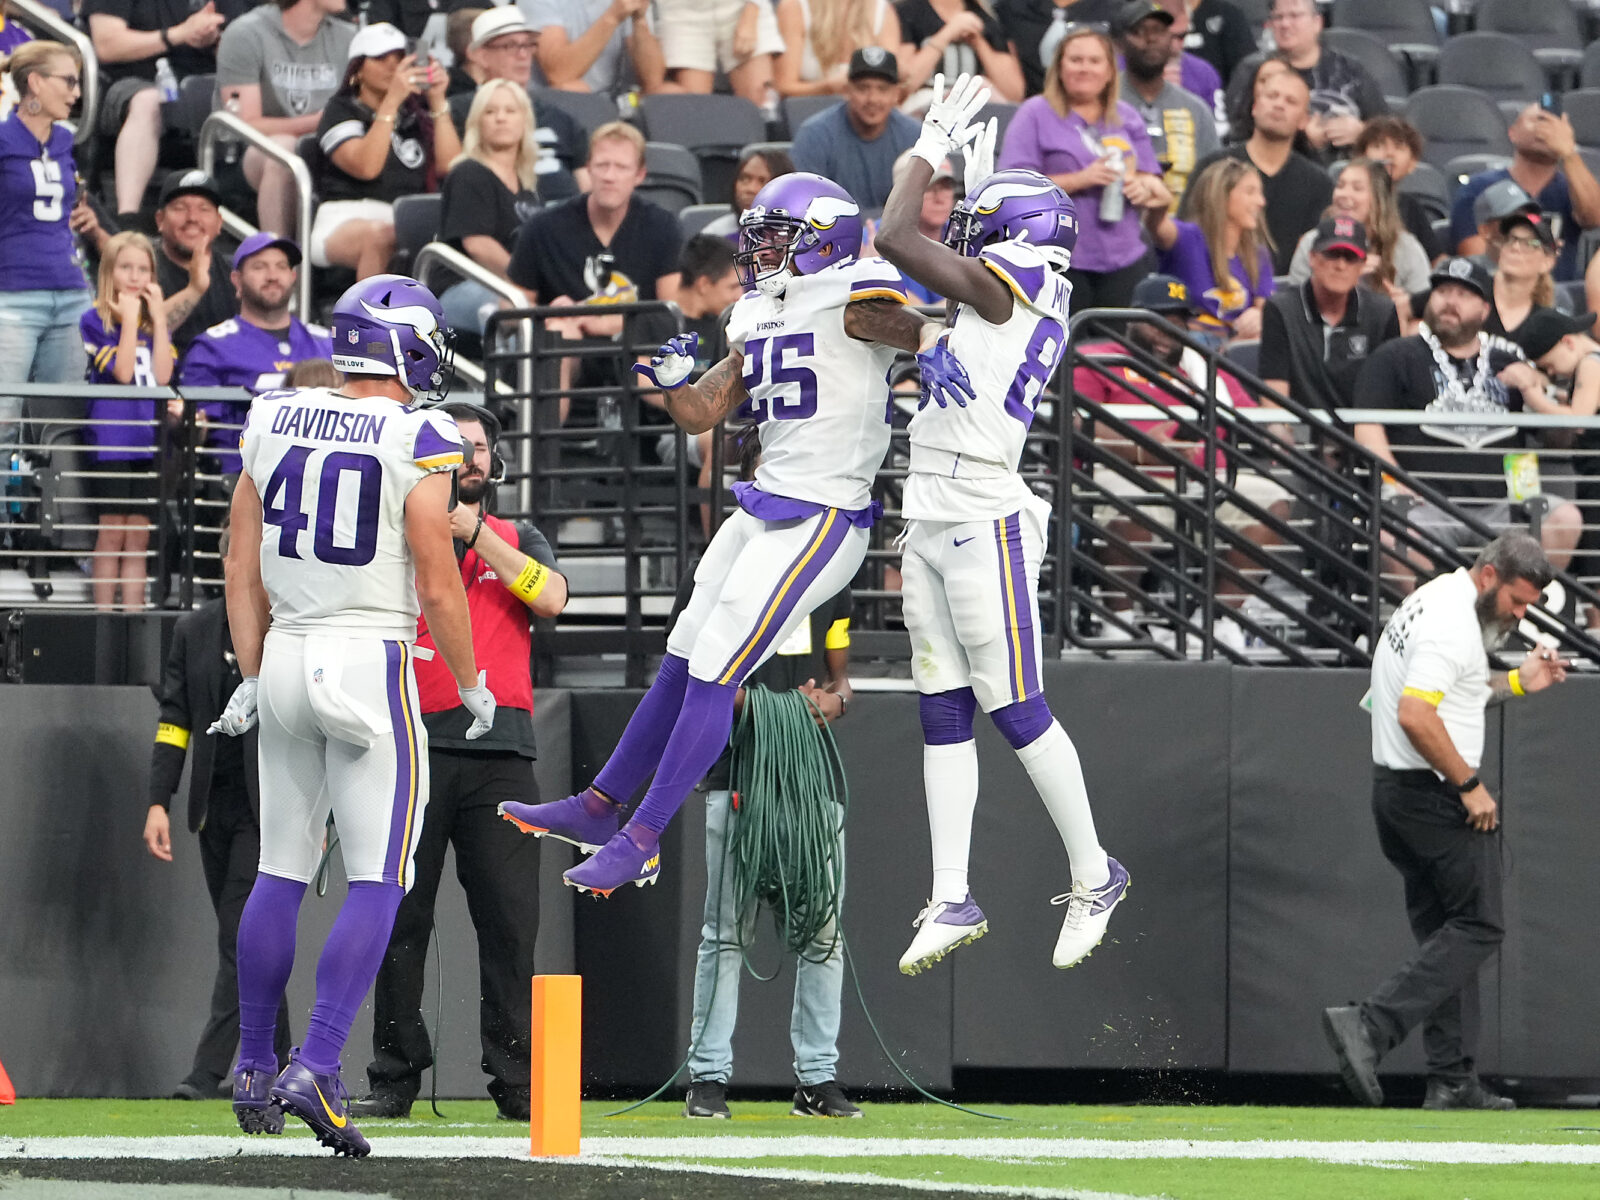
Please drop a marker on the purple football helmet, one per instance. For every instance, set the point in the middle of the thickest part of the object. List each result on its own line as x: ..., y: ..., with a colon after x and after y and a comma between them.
x: 797, y: 225
x: 1015, y: 205
x: 392, y: 325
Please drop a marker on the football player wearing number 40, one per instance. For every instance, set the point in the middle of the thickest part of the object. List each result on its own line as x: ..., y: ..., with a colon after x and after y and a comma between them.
x: 810, y: 343
x: 340, y: 532
x: 974, y: 531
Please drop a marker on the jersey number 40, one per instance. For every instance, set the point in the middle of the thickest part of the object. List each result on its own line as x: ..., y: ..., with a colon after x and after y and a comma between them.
x: 282, y: 505
x: 770, y: 373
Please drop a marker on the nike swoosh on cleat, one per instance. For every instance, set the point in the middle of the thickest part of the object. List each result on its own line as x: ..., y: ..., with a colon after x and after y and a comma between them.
x: 338, y: 1122
x: 960, y: 542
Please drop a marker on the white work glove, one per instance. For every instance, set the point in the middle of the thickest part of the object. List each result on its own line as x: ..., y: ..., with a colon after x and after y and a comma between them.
x: 947, y: 125
x: 480, y: 703
x: 978, y: 158
x: 239, y: 718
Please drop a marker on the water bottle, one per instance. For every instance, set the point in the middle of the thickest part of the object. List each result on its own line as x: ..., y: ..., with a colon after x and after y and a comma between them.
x: 166, y: 81
x: 1111, y: 197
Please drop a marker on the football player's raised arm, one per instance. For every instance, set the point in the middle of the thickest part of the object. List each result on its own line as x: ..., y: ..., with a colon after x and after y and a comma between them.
x: 249, y: 613
x: 932, y: 264
x: 439, y: 589
x: 698, y: 407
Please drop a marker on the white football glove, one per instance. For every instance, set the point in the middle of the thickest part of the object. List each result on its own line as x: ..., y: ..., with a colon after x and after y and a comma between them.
x: 239, y: 718
x: 947, y: 125
x: 479, y: 702
x: 978, y: 161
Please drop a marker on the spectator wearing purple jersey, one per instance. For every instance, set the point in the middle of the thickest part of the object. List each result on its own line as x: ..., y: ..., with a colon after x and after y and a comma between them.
x: 1224, y: 255
x: 42, y: 289
x: 130, y: 38
x: 1097, y: 150
x: 125, y: 337
x: 255, y: 349
x: 1193, y: 72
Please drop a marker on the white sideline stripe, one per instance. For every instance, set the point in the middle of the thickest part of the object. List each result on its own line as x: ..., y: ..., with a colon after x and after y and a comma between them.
x: 791, y: 1175
x: 756, y: 1147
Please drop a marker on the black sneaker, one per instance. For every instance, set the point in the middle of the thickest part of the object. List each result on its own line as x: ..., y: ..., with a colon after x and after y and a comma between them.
x: 707, y: 1098
x: 513, y: 1106
x: 822, y: 1100
x: 1443, y: 1097
x: 382, y: 1106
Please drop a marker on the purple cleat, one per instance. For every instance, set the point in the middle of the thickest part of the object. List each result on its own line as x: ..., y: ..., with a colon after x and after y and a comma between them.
x: 322, y: 1103
x: 253, y: 1104
x: 574, y: 819
x: 1088, y: 914
x: 620, y: 861
x: 941, y: 927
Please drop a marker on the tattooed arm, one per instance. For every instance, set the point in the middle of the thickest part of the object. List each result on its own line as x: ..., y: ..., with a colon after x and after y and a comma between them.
x: 889, y: 322
x: 697, y: 407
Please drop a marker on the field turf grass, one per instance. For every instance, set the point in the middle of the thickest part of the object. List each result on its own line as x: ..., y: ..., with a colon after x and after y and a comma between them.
x: 1102, y: 1153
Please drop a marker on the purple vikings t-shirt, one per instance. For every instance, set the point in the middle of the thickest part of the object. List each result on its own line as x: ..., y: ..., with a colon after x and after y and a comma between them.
x: 1041, y: 140
x: 129, y: 441
x: 38, y: 187
x: 235, y: 353
x: 1190, y: 261
x: 1196, y: 75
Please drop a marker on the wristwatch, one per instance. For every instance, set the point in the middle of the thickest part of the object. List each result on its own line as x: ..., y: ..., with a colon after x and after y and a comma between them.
x: 1470, y: 784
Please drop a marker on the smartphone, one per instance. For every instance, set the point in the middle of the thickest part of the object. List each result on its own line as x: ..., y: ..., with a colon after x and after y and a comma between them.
x: 1551, y: 103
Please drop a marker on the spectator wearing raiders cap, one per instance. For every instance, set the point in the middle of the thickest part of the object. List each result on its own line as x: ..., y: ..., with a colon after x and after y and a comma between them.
x: 1451, y: 365
x: 856, y: 142
x: 1315, y: 337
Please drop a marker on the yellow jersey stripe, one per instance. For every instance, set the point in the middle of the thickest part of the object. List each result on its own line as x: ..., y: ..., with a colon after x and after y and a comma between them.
x: 168, y: 734
x: 880, y: 293
x: 453, y: 459
x: 1005, y: 275
x: 1432, y: 698
x: 1012, y: 634
x: 731, y: 673
x: 838, y: 635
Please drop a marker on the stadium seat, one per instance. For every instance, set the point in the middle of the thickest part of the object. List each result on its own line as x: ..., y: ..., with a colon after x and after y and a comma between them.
x: 416, y: 223
x: 192, y: 106
x: 797, y: 110
x: 1464, y: 166
x: 1430, y: 186
x: 589, y: 109
x: 1244, y: 354
x: 770, y: 147
x: 1456, y: 120
x: 1376, y: 57
x: 1589, y: 72
x: 696, y: 217
x: 672, y: 177
x: 713, y: 127
x: 1404, y: 26
x: 1496, y: 64
x: 1583, y: 110
x: 1549, y: 28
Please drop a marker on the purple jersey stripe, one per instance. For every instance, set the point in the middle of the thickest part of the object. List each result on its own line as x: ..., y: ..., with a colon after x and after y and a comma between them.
x: 403, y: 812
x: 832, y: 529
x: 1026, y: 601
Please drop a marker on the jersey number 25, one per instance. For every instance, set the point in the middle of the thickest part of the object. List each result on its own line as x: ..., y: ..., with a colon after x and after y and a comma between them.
x: 769, y: 372
x: 288, y: 481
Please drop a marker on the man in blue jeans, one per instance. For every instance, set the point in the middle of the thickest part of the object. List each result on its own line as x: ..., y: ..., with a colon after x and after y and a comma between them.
x: 820, y: 648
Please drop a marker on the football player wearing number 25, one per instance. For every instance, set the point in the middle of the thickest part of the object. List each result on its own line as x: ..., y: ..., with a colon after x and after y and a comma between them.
x: 340, y: 532
x: 974, y: 530
x: 811, y: 343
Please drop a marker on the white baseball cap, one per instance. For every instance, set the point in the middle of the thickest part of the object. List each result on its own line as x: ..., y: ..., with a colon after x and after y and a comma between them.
x: 374, y: 41
x: 497, y: 22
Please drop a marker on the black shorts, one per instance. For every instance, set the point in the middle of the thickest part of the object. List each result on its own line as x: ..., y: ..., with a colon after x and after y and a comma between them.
x: 123, y: 486
x: 114, y: 104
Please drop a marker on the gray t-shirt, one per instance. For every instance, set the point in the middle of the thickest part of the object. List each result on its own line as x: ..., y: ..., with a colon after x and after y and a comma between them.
x: 612, y: 72
x: 295, y: 80
x: 1182, y: 131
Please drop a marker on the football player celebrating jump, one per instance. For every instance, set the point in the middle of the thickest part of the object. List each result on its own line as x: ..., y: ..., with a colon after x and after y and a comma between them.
x: 811, y: 343
x: 975, y: 531
x: 341, y: 526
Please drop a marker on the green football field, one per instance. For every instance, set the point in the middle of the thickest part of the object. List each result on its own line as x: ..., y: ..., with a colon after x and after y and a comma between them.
x: 1110, y: 1153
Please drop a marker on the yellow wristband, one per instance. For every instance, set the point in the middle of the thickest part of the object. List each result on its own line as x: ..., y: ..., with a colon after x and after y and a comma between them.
x: 527, y: 585
x: 1515, y: 680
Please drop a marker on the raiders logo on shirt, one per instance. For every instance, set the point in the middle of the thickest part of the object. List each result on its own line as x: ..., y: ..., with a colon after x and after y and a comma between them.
x: 408, y: 150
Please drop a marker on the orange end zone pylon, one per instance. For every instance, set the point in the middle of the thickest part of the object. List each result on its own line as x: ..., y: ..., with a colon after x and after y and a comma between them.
x: 556, y: 1080
x: 8, y: 1094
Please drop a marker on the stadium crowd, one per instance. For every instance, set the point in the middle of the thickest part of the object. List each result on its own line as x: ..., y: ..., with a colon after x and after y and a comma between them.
x: 1290, y: 172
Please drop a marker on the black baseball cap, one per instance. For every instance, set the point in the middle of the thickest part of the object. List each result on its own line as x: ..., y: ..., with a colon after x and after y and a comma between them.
x: 1544, y: 327
x: 1466, y: 272
x: 1534, y: 221
x: 193, y: 182
x: 1130, y: 13
x: 873, y: 62
x: 1340, y: 233
x: 1162, y: 294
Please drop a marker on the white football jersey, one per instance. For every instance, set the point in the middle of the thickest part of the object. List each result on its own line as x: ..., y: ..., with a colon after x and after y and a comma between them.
x: 334, y: 474
x: 821, y: 396
x: 964, y: 460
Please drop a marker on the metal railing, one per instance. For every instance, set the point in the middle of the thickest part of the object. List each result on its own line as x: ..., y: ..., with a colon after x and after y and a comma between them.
x: 221, y: 127
x: 46, y: 23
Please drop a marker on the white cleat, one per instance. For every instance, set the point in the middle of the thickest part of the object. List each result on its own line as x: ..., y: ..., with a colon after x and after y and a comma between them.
x: 1088, y: 914
x: 941, y: 927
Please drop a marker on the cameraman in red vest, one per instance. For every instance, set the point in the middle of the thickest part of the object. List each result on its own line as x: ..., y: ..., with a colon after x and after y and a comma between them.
x: 510, y: 575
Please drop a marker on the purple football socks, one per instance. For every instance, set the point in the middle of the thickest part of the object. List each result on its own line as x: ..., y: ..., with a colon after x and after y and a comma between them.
x: 643, y: 741
x: 698, y: 738
x: 266, y: 958
x: 349, y: 963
